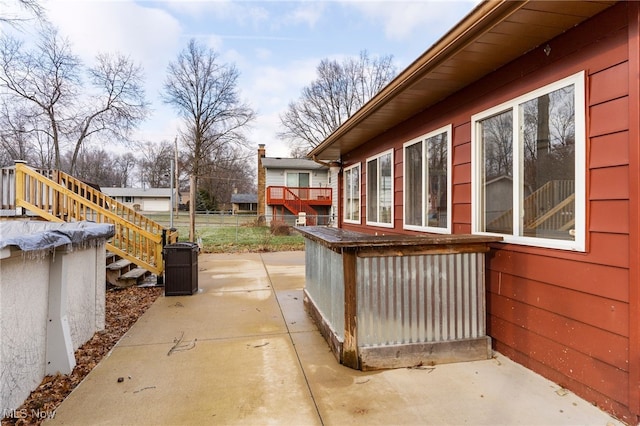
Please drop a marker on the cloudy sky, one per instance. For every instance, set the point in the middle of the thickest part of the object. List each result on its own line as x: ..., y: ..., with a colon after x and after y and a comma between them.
x: 276, y: 45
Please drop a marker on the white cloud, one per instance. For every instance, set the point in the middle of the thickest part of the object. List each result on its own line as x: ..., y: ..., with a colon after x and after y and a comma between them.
x: 271, y: 89
x: 146, y: 34
x: 308, y: 13
x: 402, y: 20
x: 245, y: 14
x: 262, y: 53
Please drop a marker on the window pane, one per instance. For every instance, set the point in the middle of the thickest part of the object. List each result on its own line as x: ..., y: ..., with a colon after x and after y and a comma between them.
x: 385, y: 189
x: 496, y: 138
x: 303, y: 180
x: 372, y: 191
x: 437, y: 188
x: 548, y: 188
x: 347, y: 194
x: 352, y: 191
x: 292, y: 179
x: 355, y: 193
x: 413, y: 181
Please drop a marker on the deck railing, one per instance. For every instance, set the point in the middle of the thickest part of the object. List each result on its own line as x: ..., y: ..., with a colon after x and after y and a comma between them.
x: 312, y: 195
x: 300, y: 199
x: 63, y: 198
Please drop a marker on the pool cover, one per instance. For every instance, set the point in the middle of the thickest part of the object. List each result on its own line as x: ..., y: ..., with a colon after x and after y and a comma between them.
x: 36, y: 236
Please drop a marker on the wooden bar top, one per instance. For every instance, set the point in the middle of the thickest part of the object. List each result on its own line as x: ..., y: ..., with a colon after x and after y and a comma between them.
x: 339, y: 238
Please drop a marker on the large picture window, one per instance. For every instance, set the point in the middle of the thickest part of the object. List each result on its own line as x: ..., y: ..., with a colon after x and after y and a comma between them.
x: 427, y: 183
x: 529, y: 158
x: 380, y: 189
x: 352, y: 194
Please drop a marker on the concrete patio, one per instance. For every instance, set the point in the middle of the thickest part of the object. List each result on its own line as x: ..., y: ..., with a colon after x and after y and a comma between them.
x: 243, y: 351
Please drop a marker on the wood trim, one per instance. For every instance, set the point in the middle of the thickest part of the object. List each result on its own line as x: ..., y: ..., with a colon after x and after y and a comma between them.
x: 422, y: 354
x: 350, y: 347
x: 424, y: 250
x: 634, y: 207
x: 340, y: 238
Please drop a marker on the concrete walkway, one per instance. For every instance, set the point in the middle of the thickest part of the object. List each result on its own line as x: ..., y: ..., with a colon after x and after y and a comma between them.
x: 243, y: 351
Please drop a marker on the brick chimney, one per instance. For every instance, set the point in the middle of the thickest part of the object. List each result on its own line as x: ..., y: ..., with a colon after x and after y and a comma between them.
x: 261, y: 181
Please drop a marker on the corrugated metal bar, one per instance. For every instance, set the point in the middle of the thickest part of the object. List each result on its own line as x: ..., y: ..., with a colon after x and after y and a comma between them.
x: 325, y: 283
x: 420, y: 298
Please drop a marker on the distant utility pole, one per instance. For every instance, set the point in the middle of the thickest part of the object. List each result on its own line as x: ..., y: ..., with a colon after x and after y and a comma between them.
x: 177, y: 186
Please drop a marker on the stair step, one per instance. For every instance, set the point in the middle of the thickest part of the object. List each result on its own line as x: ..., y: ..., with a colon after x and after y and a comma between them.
x: 132, y: 277
x: 110, y: 258
x: 135, y: 273
x: 116, y: 269
x: 119, y: 265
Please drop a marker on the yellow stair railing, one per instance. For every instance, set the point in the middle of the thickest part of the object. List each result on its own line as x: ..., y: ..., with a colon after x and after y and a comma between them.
x: 63, y: 198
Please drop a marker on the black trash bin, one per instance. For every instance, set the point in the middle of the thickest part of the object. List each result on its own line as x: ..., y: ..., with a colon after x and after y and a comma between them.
x: 180, y: 269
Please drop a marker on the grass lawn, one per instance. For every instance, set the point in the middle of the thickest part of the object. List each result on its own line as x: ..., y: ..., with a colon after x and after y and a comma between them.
x: 230, y: 233
x: 247, y: 238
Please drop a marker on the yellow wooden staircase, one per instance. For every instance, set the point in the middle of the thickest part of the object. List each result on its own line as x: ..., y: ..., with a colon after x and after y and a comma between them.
x: 58, y: 197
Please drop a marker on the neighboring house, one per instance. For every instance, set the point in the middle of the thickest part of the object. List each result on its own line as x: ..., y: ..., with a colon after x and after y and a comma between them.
x: 148, y: 200
x: 531, y: 107
x: 244, y: 203
x: 290, y: 186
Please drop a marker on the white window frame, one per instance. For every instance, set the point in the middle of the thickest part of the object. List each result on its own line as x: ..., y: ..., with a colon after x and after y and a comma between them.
x: 425, y: 181
x: 578, y: 244
x: 368, y: 160
x: 346, y: 199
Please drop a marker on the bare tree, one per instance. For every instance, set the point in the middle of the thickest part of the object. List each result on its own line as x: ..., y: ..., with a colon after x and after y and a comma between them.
x: 226, y: 171
x: 204, y: 92
x: 14, y: 140
x: 106, y: 169
x: 117, y: 106
x: 95, y: 166
x: 32, y: 8
x: 46, y: 83
x: 155, y: 165
x: 125, y: 165
x: 44, y: 80
x: 339, y: 90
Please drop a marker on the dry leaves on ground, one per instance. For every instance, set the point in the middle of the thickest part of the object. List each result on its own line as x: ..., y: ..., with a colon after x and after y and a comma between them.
x: 122, y: 310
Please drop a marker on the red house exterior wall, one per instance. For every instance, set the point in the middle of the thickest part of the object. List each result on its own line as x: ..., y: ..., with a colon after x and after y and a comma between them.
x: 570, y: 316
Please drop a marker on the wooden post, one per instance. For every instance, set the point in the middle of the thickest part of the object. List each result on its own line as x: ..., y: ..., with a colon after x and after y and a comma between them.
x: 192, y: 207
x: 20, y: 177
x: 350, y: 357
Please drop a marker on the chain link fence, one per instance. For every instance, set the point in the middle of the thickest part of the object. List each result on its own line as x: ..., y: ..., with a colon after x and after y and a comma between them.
x: 217, y: 226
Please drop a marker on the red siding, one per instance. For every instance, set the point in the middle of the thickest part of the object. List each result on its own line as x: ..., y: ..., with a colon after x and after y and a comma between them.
x: 610, y: 150
x: 591, y: 340
x: 572, y: 365
x: 634, y: 190
x: 610, y: 183
x: 607, y: 118
x: 609, y: 84
x: 610, y: 216
x: 564, y: 314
